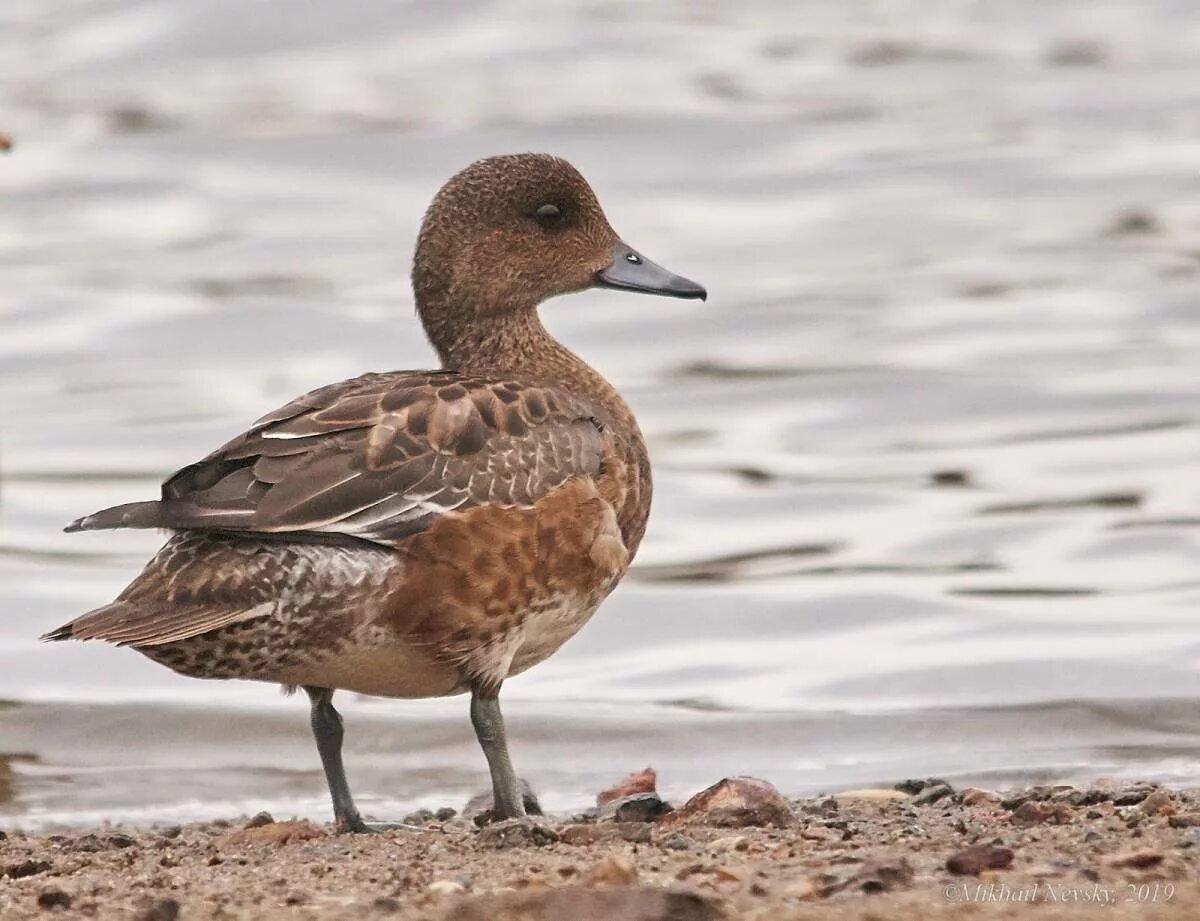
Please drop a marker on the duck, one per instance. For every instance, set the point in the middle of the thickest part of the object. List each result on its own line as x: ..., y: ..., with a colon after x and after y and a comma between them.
x: 416, y: 534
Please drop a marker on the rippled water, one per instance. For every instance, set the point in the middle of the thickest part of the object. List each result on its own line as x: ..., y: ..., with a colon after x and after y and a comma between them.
x: 927, y: 494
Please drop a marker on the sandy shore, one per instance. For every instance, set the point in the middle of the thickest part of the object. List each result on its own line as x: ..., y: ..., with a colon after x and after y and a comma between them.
x: 1113, y: 851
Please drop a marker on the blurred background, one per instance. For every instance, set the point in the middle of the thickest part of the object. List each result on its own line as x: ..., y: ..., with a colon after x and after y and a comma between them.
x: 927, y: 494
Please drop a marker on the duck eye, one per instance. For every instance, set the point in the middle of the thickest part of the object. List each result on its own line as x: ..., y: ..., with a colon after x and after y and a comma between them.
x: 549, y: 215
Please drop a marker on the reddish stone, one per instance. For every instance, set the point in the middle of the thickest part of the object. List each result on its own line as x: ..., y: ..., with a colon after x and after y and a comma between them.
x: 735, y: 802
x: 639, y: 782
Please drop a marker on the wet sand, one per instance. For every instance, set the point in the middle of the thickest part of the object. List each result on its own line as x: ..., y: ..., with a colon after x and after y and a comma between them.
x: 1129, y: 851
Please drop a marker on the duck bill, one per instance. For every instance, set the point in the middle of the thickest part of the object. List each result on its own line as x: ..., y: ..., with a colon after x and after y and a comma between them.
x: 631, y: 271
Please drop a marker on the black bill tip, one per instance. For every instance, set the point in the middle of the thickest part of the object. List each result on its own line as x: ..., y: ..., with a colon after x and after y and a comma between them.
x: 631, y: 271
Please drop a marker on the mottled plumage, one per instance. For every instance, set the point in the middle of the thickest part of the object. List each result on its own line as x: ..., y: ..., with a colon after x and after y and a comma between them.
x: 415, y: 533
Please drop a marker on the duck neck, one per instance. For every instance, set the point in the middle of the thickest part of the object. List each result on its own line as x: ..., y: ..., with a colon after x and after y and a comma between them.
x: 516, y: 342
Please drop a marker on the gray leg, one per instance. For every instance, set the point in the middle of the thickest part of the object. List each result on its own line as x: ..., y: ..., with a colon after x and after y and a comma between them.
x: 507, y: 802
x: 327, y: 730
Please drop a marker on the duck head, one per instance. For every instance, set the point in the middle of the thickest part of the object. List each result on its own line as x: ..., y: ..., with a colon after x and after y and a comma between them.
x: 509, y: 232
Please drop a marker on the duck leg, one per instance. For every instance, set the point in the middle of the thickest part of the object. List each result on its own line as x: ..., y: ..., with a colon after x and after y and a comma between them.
x: 327, y: 730
x: 507, y: 799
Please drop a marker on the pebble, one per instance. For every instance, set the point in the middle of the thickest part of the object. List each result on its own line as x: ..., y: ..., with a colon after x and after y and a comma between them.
x: 277, y: 833
x: 635, y: 832
x: 640, y: 807
x: 729, y: 843
x: 678, y: 842
x: 1156, y: 803
x: 53, y: 898
x: 1038, y: 813
x: 914, y: 786
x: 644, y: 781
x: 159, y: 910
x: 611, y: 871
x: 973, y: 796
x: 870, y: 876
x: 445, y: 887
x: 1131, y: 796
x: 259, y: 820
x: 25, y: 868
x: 932, y: 794
x: 517, y: 833
x: 736, y: 802
x: 973, y: 860
x: 1137, y: 860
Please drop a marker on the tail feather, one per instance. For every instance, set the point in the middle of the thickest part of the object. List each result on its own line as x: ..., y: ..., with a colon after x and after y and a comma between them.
x: 130, y: 515
x: 124, y: 623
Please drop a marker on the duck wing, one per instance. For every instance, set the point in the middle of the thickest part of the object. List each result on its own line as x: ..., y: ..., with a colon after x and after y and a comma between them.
x: 378, y: 458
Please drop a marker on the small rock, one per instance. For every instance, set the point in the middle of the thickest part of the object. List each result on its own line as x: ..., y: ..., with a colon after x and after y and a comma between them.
x: 973, y: 796
x: 1091, y: 797
x: 26, y: 868
x: 878, y: 795
x: 517, y: 833
x: 1138, y: 860
x: 445, y: 887
x: 259, y: 820
x: 640, y: 807
x: 870, y: 877
x: 677, y: 842
x: 736, y: 802
x: 421, y: 817
x: 729, y: 843
x: 644, y: 781
x: 1132, y: 796
x: 973, y: 860
x: 932, y: 794
x: 1156, y: 802
x: 277, y: 833
x: 1038, y: 813
x: 579, y: 835
x: 159, y: 910
x: 802, y: 889
x: 172, y: 831
x: 826, y: 806
x: 611, y: 871
x: 53, y: 898
x: 1187, y: 820
x: 914, y: 786
x: 87, y: 844
x: 386, y: 904
x: 120, y: 841
x: 821, y: 834
x: 445, y: 814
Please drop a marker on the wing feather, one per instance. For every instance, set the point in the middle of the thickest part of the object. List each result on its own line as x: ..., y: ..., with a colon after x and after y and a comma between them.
x: 380, y: 456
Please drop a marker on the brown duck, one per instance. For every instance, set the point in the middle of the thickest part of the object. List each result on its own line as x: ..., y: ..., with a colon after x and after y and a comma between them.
x: 416, y: 533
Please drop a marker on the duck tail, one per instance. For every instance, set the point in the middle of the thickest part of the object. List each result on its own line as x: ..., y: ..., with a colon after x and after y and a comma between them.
x: 130, y: 515
x: 81, y: 627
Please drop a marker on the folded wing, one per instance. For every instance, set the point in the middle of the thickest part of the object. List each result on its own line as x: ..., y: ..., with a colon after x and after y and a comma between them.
x: 378, y: 458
